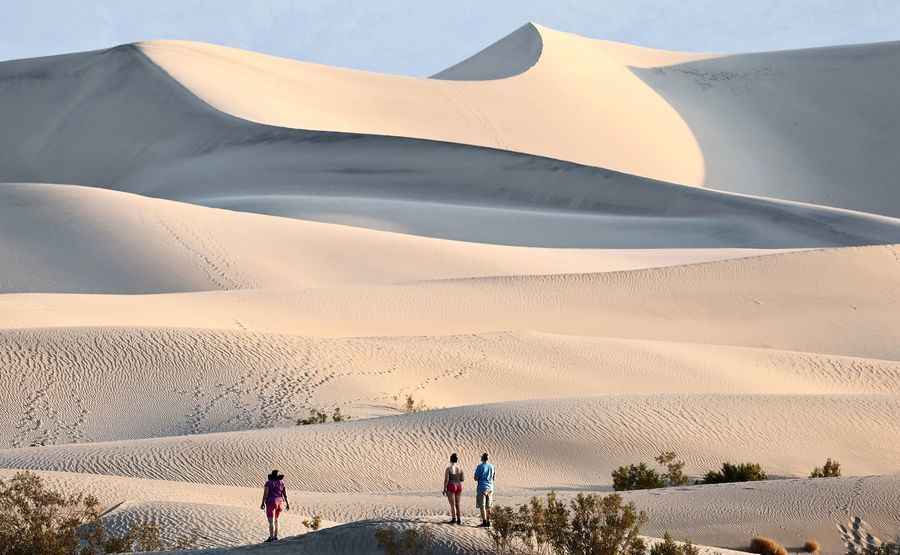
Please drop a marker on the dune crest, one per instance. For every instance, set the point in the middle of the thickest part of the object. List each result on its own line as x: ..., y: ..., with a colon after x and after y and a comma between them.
x: 553, y: 101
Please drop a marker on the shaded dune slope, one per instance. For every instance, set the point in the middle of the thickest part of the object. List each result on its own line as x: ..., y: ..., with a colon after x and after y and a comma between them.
x: 79, y: 239
x: 817, y: 125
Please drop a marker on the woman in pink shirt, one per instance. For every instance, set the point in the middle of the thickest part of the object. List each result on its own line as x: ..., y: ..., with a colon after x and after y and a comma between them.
x: 274, y: 500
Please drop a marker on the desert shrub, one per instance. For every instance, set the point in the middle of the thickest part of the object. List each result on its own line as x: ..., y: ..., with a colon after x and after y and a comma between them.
x: 313, y: 523
x: 590, y: 524
x: 766, y: 546
x: 605, y: 526
x: 674, y: 468
x: 744, y: 472
x: 411, y: 541
x: 35, y: 520
x: 318, y: 417
x: 832, y: 469
x: 315, y: 417
x: 641, y: 476
x: 505, y: 523
x: 636, y: 476
x: 411, y: 405
x: 670, y: 547
x: 337, y: 416
x: 811, y: 546
x: 886, y: 548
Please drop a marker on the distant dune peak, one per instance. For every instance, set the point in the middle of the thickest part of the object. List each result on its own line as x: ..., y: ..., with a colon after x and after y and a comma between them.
x: 513, y: 54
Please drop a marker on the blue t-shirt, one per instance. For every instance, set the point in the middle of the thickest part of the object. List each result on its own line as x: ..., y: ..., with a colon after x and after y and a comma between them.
x: 484, y: 475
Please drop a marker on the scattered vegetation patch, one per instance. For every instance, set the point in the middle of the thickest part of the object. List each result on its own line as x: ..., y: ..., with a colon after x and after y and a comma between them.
x: 670, y: 547
x: 744, y: 472
x: 811, y: 546
x: 410, y: 405
x: 766, y: 546
x: 411, y: 541
x: 318, y: 417
x: 641, y: 476
x: 313, y: 523
x: 832, y: 469
x: 35, y: 520
x: 588, y: 524
x: 886, y: 548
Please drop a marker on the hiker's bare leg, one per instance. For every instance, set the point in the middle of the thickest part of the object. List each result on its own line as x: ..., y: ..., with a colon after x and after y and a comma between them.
x: 450, y: 500
x: 271, y: 528
x: 456, y: 497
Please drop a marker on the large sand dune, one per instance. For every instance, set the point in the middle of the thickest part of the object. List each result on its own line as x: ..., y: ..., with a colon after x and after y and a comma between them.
x: 850, y: 307
x: 77, y: 239
x: 183, y: 381
x: 583, y: 252
x: 542, y: 444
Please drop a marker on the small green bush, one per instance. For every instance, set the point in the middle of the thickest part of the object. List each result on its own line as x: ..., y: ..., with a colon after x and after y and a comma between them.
x: 766, y: 546
x: 412, y: 406
x: 674, y: 468
x: 337, y: 416
x: 35, y: 520
x: 638, y: 476
x: 641, y: 476
x: 318, y: 417
x: 744, y: 472
x: 506, y: 525
x: 314, y: 523
x: 590, y: 524
x: 832, y: 469
x: 670, y: 547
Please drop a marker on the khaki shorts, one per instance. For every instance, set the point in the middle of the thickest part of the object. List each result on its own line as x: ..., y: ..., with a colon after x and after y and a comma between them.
x: 483, y: 499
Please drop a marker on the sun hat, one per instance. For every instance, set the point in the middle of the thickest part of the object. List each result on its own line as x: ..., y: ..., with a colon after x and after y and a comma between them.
x: 275, y: 475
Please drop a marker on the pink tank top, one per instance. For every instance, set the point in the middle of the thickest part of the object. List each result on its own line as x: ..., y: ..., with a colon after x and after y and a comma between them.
x: 276, y: 490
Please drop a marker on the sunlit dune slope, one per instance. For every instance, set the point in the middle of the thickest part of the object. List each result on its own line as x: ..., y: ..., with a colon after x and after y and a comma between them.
x: 539, y: 92
x: 173, y: 381
x: 836, y: 301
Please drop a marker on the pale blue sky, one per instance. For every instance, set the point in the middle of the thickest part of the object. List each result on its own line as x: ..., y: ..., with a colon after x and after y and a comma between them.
x: 421, y: 37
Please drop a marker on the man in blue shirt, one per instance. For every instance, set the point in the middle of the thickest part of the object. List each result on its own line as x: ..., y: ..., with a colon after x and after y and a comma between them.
x: 484, y: 475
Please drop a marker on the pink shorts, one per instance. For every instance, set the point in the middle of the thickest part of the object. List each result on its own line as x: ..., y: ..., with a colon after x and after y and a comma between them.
x: 454, y: 487
x: 274, y: 507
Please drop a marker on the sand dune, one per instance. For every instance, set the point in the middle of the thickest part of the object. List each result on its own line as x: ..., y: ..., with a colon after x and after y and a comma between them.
x: 150, y: 135
x: 811, y: 125
x: 724, y: 515
x: 542, y: 444
x: 245, y: 238
x: 566, y: 75
x: 77, y: 239
x: 816, y: 125
x: 849, y: 309
x: 67, y: 385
